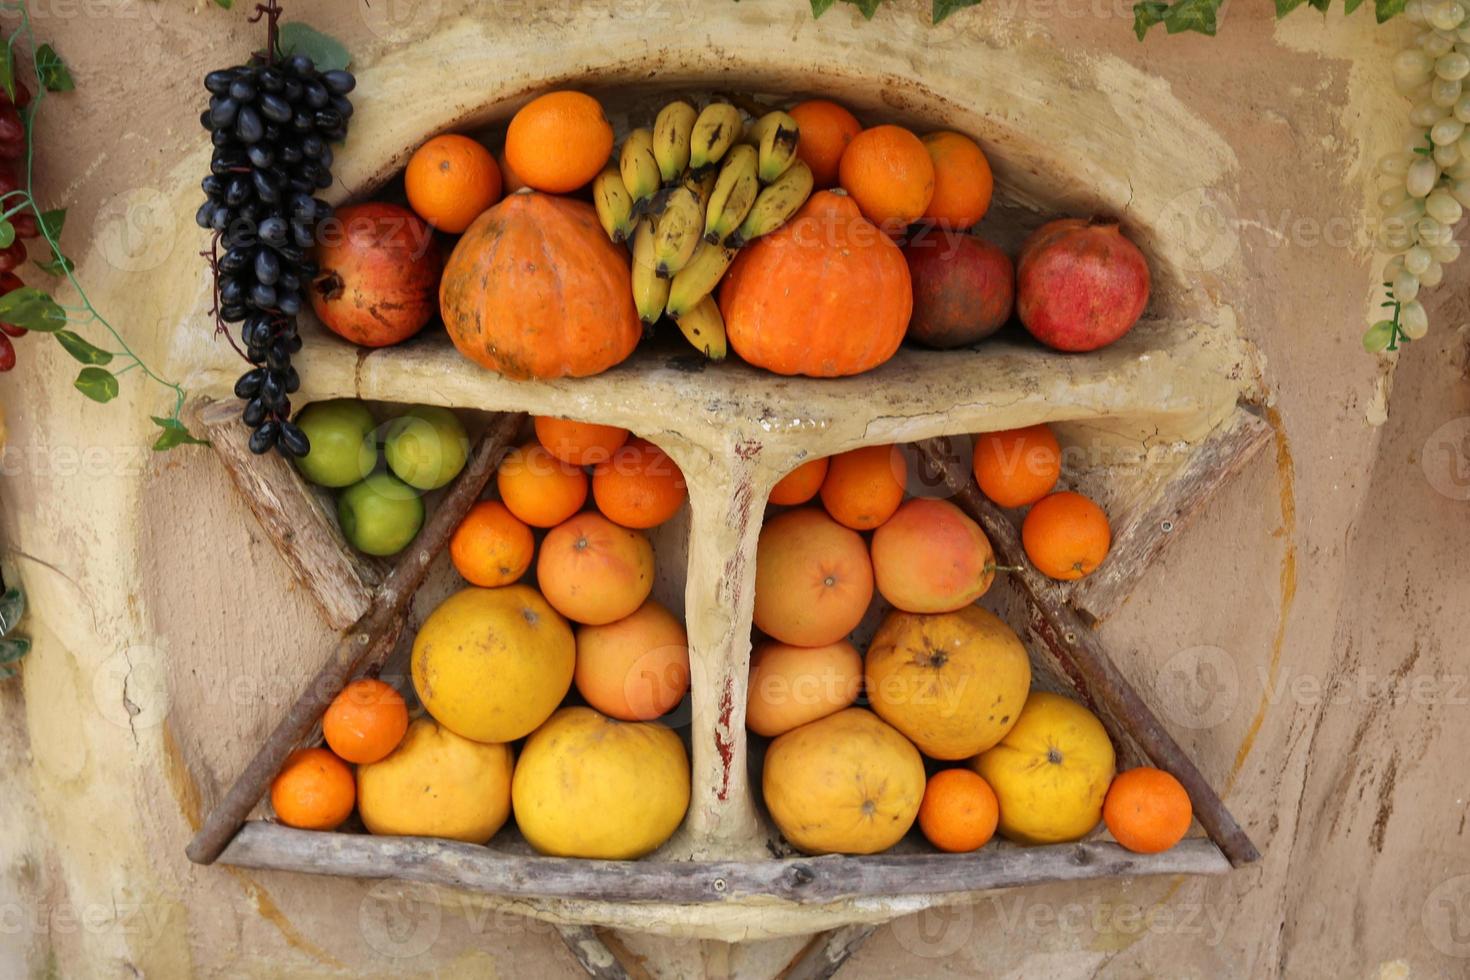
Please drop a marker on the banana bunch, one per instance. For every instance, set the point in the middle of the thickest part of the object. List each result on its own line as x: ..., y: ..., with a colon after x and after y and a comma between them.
x: 688, y: 193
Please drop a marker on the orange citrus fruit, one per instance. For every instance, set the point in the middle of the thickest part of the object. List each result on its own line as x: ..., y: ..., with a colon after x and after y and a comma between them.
x: 491, y: 547
x: 313, y: 791
x: 801, y: 484
x: 959, y: 811
x: 538, y: 488
x: 450, y: 180
x: 1147, y: 810
x: 365, y: 722
x: 890, y: 175
x: 1065, y: 535
x: 1017, y: 467
x: 825, y: 130
x: 864, y: 487
x: 559, y: 141
x: 579, y: 443
x: 962, y: 180
x: 640, y: 486
x: 510, y: 180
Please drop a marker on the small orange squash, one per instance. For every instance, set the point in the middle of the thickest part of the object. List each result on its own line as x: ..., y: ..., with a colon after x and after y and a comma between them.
x: 535, y: 289
x: 826, y: 296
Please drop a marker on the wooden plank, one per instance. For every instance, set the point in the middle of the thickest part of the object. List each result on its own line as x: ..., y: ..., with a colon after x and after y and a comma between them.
x: 805, y: 881
x: 1147, y: 530
x: 1073, y: 647
x: 592, y: 953
x: 828, y: 953
x: 366, y: 645
x: 293, y: 517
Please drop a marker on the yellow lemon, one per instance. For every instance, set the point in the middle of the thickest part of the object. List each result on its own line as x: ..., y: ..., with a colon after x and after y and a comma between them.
x: 437, y: 784
x: 954, y: 683
x: 492, y: 664
x: 590, y: 786
x: 1051, y: 771
x: 848, y: 783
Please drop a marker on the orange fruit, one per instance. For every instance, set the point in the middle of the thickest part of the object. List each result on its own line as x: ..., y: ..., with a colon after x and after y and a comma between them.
x: 491, y: 547
x: 790, y: 686
x: 636, y: 668
x: 959, y: 811
x: 1147, y: 810
x: 559, y: 141
x: 1017, y: 467
x: 962, y: 180
x: 813, y: 579
x: 450, y: 180
x: 826, y: 129
x: 640, y: 486
x: 864, y: 487
x: 1065, y: 535
x: 366, y: 721
x: 890, y: 175
x: 510, y: 180
x: 594, y: 572
x: 313, y: 791
x: 801, y: 484
x: 538, y: 488
x: 579, y: 443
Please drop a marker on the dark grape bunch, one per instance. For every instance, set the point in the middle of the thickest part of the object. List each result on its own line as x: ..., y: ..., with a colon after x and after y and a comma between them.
x: 272, y: 123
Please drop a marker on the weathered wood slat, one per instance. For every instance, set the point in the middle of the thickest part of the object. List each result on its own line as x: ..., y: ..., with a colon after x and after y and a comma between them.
x: 1147, y: 530
x: 369, y: 641
x: 828, y: 953
x: 293, y: 518
x: 1073, y: 647
x: 271, y: 846
x: 592, y: 953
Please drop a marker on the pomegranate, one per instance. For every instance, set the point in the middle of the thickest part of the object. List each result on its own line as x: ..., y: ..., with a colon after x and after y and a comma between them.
x: 377, y: 279
x: 1080, y: 284
x: 964, y: 289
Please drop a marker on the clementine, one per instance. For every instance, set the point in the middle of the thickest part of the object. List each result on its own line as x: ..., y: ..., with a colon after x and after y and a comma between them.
x: 559, y: 141
x: 959, y: 811
x: 1147, y: 810
x: 491, y: 547
x: 538, y: 488
x: 1017, y: 467
x: 313, y: 791
x: 592, y: 571
x: 826, y: 130
x: 365, y: 721
x: 640, y: 486
x: 890, y: 175
x: 963, y: 183
x: 579, y: 443
x: 864, y: 487
x: 450, y: 180
x: 1066, y: 536
x: 801, y: 484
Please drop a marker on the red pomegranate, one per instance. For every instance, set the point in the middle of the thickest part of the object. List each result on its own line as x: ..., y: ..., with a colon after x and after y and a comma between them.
x: 377, y: 277
x: 1080, y: 284
x: 964, y: 289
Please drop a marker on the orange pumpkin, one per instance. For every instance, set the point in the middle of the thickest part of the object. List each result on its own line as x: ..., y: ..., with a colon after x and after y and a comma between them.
x: 535, y: 289
x: 827, y: 295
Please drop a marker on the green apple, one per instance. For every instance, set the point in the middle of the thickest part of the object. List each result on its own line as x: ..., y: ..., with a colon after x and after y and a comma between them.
x: 427, y: 447
x: 342, y: 450
x: 380, y: 515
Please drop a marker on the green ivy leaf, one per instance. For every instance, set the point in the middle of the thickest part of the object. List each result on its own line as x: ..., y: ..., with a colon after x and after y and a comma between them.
x: 1147, y: 13
x: 1284, y: 7
x: 227, y: 4
x: 820, y: 7
x: 57, y: 266
x: 52, y: 71
x: 1350, y: 5
x: 1378, y: 336
x: 1191, y: 15
x: 52, y: 222
x: 1388, y: 9
x: 29, y: 307
x: 326, y: 52
x: 943, y: 8
x: 97, y: 384
x: 82, y: 349
x: 868, y: 7
x: 1321, y: 5
x: 12, y: 650
x: 7, y: 234
x: 174, y: 433
x: 12, y: 608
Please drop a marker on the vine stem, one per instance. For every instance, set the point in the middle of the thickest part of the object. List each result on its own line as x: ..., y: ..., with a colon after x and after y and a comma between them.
x: 28, y: 117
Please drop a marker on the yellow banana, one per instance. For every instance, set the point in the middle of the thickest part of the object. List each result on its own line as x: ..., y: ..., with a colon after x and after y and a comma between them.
x: 699, y: 278
x: 650, y: 290
x: 639, y: 168
x: 676, y: 231
x: 614, y: 204
x: 776, y: 135
x: 671, y: 132
x: 775, y: 205
x: 715, y: 131
x: 702, y: 186
x: 703, y: 327
x: 734, y: 194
